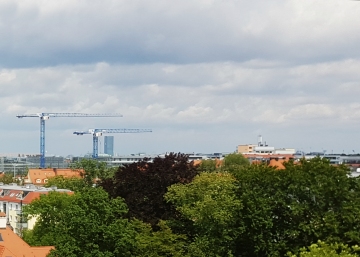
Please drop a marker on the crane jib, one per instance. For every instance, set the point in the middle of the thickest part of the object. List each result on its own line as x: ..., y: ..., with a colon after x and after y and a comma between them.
x: 46, y: 115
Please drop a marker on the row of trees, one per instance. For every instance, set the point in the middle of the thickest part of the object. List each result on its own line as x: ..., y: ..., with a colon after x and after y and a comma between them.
x: 170, y: 207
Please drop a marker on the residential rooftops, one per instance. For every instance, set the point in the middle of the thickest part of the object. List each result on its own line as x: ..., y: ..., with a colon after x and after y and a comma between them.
x: 12, y: 245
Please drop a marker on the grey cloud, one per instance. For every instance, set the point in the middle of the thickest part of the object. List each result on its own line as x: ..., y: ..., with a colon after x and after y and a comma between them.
x: 206, y: 75
x: 230, y: 92
x: 177, y: 31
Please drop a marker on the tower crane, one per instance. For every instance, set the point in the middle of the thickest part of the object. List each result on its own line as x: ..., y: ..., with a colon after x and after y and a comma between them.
x: 47, y: 115
x: 96, y: 133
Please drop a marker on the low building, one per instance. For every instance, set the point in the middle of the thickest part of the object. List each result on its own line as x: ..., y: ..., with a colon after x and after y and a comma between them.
x: 13, y: 198
x: 249, y: 148
x: 264, y: 149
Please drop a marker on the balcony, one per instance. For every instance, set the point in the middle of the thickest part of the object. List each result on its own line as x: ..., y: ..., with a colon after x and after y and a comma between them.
x: 20, y: 226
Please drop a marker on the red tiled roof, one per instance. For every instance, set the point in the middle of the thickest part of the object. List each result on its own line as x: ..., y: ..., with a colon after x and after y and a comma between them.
x: 13, y: 197
x: 13, y: 245
x: 39, y: 176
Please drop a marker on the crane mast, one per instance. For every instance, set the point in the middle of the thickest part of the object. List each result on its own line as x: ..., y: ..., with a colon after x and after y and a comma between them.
x: 96, y: 133
x: 46, y: 115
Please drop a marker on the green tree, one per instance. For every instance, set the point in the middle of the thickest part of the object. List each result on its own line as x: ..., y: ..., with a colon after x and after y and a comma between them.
x: 287, y: 209
x: 94, y: 171
x: 159, y: 243
x: 210, y: 202
x: 143, y: 185
x: 7, y: 178
x: 322, y: 249
x: 48, y: 210
x: 235, y: 160
x: 207, y: 166
x: 87, y: 223
x: 275, y: 211
x: 72, y: 183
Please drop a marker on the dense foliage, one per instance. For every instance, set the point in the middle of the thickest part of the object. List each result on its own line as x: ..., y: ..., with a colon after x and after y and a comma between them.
x: 72, y: 183
x: 321, y: 249
x: 93, y: 171
x: 210, y: 203
x: 310, y: 208
x: 143, y: 185
x: 85, y: 224
x: 235, y: 160
x: 7, y: 178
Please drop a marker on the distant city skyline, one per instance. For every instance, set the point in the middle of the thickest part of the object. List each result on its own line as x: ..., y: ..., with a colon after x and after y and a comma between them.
x: 204, y: 75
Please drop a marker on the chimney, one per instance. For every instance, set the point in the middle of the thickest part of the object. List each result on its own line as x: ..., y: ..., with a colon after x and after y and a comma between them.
x: 3, y: 220
x: 55, y: 171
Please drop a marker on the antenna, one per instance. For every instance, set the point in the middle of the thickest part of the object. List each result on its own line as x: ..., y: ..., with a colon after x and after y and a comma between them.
x: 260, y: 140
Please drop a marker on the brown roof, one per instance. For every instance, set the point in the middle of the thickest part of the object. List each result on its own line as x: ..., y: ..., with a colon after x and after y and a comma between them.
x: 12, y: 196
x: 39, y: 176
x: 278, y: 164
x: 276, y: 161
x: 12, y: 245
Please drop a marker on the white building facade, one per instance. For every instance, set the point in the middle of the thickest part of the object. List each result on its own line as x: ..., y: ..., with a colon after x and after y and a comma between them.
x: 12, y: 200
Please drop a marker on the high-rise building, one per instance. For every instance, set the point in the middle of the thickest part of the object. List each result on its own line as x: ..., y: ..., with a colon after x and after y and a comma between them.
x: 109, y: 145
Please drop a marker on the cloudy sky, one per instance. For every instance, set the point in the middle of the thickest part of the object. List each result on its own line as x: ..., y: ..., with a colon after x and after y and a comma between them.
x: 204, y: 75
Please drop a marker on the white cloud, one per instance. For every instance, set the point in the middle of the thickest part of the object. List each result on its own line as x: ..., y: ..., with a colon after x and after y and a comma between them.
x: 50, y: 32
x: 192, y: 70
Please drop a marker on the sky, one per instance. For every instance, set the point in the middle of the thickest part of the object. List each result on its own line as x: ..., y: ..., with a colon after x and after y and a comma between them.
x: 204, y: 75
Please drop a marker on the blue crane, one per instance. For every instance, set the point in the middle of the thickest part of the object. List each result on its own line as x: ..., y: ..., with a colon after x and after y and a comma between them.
x: 99, y: 132
x: 47, y: 115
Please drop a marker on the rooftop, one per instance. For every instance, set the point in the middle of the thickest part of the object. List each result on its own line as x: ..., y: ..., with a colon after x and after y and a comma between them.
x: 11, y: 245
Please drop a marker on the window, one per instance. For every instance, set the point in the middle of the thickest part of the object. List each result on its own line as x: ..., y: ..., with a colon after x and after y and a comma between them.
x: 16, y: 207
x: 10, y: 206
x: 38, y: 180
x: 45, y: 180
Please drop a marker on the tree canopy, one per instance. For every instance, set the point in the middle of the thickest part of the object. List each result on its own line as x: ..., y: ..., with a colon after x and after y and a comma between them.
x: 72, y: 183
x: 168, y: 207
x: 143, y: 185
x: 94, y: 170
x: 87, y: 223
x: 277, y: 211
x: 321, y: 249
x: 235, y: 160
x: 7, y: 178
x: 210, y: 202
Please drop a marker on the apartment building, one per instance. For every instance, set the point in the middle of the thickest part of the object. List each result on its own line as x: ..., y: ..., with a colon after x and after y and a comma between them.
x: 13, y: 198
